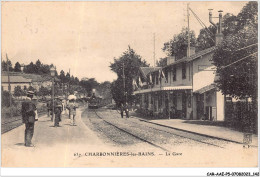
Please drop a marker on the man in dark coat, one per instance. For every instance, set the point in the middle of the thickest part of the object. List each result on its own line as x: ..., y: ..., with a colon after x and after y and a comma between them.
x: 28, y: 118
x: 57, y: 111
x: 49, y: 108
x: 124, y: 108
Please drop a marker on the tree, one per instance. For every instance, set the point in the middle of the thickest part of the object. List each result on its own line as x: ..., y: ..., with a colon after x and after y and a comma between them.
x: 17, y: 67
x: 89, y: 84
x: 4, y: 65
x: 248, y: 15
x: 236, y: 60
x: 117, y: 92
x: 72, y: 80
x: 43, y: 91
x: 178, y: 45
x: 104, y: 90
x: 38, y: 67
x: 76, y: 81
x: 237, y: 78
x: 206, y: 38
x: 67, y: 79
x: 31, y: 68
x: 62, y: 76
x: 31, y: 88
x: 18, y: 91
x: 130, y: 63
x: 45, y: 69
x: 162, y: 62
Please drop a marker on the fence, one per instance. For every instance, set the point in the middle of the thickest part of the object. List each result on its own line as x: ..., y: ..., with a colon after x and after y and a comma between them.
x: 241, y: 115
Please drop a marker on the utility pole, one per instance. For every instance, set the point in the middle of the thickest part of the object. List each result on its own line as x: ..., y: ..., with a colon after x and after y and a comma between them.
x: 125, y: 95
x: 154, y: 49
x: 153, y: 96
x: 9, y: 85
x: 188, y: 16
x: 191, y: 64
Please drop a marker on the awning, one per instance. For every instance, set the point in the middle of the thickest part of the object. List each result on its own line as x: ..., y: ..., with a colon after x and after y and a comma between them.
x: 205, y: 89
x: 156, y: 89
x: 177, y: 88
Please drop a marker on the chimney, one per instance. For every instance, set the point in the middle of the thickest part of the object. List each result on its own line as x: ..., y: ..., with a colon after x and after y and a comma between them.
x: 192, y: 51
x: 170, y: 60
x: 219, y: 36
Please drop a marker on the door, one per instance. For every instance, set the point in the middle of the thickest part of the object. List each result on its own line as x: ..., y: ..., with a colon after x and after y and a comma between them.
x: 184, y: 105
x: 200, y: 106
x: 166, y: 105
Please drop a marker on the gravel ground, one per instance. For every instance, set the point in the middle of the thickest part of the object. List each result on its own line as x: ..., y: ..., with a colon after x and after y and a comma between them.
x: 161, y: 136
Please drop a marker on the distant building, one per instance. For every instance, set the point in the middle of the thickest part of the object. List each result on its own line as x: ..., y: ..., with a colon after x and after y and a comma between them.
x: 15, y: 81
x: 36, y: 81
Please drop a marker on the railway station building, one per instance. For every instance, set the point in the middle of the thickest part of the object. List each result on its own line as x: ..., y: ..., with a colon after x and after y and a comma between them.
x: 183, y: 88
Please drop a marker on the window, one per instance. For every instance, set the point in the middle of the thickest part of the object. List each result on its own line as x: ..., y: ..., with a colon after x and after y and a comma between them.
x: 153, y: 78
x: 183, y: 70
x: 166, y: 75
x: 174, y: 74
x: 156, y: 77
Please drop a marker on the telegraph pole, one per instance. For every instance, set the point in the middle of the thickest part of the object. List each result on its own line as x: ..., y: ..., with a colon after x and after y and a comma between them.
x: 188, y: 55
x: 69, y: 83
x: 154, y: 49
x: 188, y: 16
x: 9, y: 85
x: 125, y: 95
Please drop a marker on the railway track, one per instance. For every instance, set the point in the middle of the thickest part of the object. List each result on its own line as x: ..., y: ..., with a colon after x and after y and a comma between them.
x: 12, y: 124
x: 143, y: 139
x: 175, y: 134
x: 189, y: 132
x: 131, y: 134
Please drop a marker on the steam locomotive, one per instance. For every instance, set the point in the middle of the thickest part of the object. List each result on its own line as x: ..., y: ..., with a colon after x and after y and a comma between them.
x: 94, y: 102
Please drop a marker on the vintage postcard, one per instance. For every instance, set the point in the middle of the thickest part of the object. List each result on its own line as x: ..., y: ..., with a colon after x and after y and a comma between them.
x: 129, y: 84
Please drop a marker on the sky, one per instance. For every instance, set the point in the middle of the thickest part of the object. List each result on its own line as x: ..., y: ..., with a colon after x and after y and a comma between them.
x: 85, y: 37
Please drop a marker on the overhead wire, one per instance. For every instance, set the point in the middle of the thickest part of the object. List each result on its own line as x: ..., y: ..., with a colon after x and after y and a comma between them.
x: 202, y: 24
x: 246, y: 47
x: 223, y: 67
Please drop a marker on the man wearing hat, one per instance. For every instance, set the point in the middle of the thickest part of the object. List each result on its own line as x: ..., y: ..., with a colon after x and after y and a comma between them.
x: 28, y: 118
x: 57, y: 112
x: 72, y: 106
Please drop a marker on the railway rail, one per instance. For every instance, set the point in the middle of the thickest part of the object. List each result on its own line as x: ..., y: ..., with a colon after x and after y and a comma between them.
x: 131, y: 134
x: 156, y: 129
x: 189, y: 132
x: 14, y: 123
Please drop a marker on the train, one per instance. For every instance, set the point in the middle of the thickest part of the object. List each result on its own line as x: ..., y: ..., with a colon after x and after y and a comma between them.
x: 94, y: 102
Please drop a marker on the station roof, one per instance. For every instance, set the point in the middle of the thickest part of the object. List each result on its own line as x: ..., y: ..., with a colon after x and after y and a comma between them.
x: 193, y: 57
x: 15, y: 79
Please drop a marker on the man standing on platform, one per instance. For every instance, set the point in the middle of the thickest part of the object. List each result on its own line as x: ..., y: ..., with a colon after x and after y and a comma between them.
x: 57, y: 111
x: 28, y: 118
x: 72, y: 106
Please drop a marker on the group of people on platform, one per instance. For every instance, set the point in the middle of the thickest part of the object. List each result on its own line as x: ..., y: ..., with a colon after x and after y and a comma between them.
x: 60, y: 105
x: 29, y: 113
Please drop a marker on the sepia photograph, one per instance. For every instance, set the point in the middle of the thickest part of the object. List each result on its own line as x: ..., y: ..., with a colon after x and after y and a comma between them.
x: 129, y: 84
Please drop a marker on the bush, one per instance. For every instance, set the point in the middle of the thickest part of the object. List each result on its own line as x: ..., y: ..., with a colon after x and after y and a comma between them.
x: 11, y: 111
x: 15, y: 110
x: 6, y: 99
